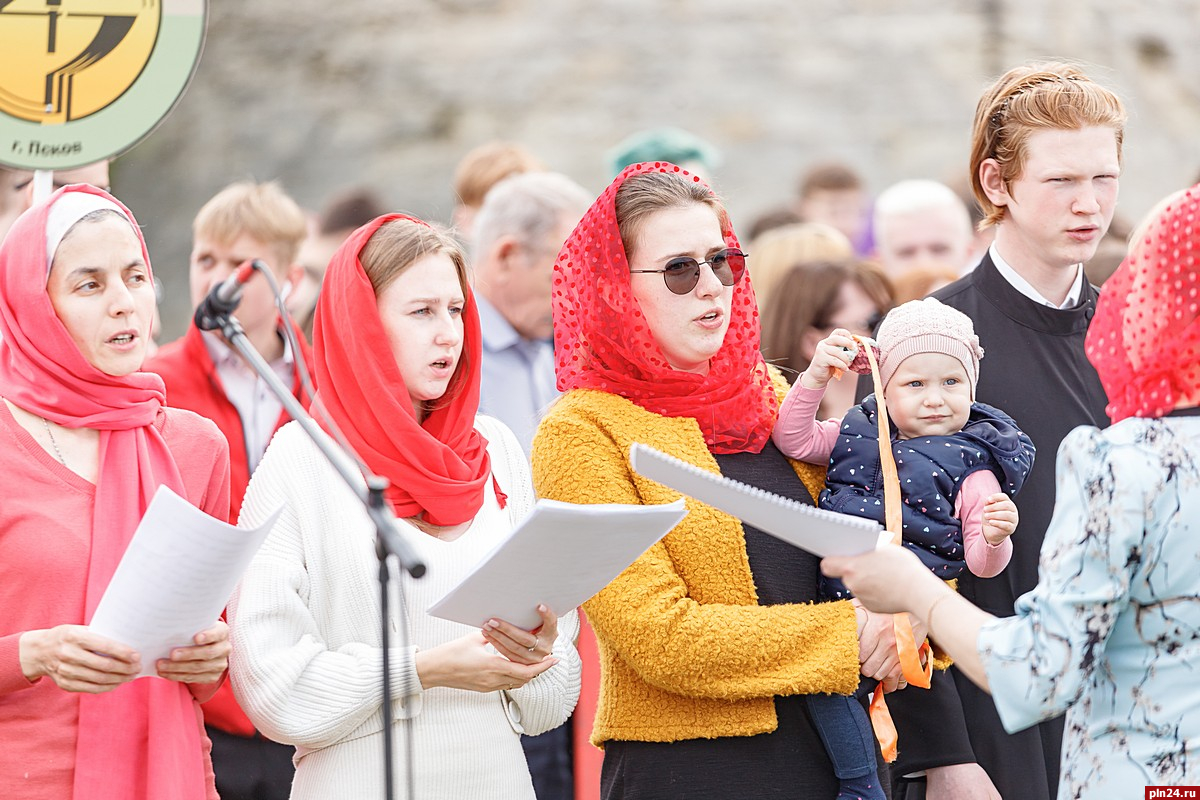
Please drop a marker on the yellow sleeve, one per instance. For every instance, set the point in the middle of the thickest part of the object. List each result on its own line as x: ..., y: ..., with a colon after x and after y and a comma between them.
x: 673, y: 642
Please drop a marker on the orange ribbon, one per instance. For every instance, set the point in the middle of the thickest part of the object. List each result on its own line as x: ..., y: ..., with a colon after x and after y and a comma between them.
x: 881, y: 722
x: 915, y: 662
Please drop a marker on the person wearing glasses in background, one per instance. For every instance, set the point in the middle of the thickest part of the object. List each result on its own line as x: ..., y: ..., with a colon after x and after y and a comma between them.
x: 809, y: 302
x: 708, y: 641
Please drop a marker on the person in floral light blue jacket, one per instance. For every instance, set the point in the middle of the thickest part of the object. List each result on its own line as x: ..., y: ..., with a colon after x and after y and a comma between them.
x: 1111, y: 632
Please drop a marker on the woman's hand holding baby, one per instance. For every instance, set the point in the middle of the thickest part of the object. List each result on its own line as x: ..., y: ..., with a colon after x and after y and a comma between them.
x: 999, y: 518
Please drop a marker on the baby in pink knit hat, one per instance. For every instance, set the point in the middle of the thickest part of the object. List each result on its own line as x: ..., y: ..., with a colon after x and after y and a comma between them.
x: 959, y: 462
x: 928, y: 365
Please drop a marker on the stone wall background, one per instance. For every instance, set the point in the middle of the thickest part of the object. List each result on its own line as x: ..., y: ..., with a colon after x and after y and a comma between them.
x: 322, y: 95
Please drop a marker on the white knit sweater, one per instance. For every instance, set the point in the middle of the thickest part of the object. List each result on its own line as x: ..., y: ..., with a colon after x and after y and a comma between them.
x: 306, y: 663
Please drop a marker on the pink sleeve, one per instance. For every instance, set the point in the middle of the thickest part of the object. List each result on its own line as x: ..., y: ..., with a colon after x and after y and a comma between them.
x: 798, y: 432
x: 983, y: 559
x: 216, y: 496
x: 12, y: 679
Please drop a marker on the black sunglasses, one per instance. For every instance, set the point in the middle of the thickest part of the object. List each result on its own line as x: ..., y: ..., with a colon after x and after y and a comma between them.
x: 682, y: 274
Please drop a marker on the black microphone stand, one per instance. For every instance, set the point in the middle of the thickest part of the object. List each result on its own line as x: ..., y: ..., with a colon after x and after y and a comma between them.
x: 367, y: 487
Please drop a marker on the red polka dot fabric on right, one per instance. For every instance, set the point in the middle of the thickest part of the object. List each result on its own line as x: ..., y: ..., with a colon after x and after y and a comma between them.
x: 1145, y: 340
x: 602, y: 340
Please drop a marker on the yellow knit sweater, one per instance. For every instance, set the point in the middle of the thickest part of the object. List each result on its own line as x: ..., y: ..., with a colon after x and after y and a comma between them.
x: 685, y: 649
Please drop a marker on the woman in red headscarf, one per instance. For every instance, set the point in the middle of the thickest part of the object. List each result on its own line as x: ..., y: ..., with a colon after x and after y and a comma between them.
x: 1111, y: 633
x: 397, y: 350
x: 86, y: 443
x: 710, y: 639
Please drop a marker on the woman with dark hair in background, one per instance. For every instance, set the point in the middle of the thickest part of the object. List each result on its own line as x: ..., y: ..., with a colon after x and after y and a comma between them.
x: 807, y: 304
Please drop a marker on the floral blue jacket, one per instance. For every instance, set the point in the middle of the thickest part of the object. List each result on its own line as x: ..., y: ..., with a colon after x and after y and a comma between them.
x: 1111, y: 633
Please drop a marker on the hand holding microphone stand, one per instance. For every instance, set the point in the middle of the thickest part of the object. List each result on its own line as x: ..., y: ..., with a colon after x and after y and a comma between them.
x: 215, y: 312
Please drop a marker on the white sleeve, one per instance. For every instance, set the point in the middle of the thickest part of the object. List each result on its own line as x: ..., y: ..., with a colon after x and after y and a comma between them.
x: 293, y: 687
x: 548, y: 700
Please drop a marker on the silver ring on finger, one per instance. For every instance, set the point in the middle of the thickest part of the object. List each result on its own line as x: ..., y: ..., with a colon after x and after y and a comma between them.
x: 536, y: 641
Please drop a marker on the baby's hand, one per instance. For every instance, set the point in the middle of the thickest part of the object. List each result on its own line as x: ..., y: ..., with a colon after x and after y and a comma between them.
x: 831, y: 358
x: 999, y: 518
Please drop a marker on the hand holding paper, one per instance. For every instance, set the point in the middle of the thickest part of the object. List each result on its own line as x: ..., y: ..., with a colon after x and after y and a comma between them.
x: 76, y: 659
x: 174, y: 579
x: 522, y: 646
x: 203, y: 661
x: 559, y: 556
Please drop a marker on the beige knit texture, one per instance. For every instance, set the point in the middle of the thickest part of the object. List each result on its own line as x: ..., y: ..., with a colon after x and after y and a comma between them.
x: 927, y: 326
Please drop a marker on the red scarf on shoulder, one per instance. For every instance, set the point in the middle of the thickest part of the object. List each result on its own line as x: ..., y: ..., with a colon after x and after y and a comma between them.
x: 438, y: 468
x: 602, y: 341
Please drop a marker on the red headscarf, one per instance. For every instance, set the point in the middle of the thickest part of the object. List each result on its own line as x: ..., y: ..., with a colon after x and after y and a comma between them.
x: 602, y: 341
x: 1145, y: 338
x: 141, y: 740
x: 438, y: 467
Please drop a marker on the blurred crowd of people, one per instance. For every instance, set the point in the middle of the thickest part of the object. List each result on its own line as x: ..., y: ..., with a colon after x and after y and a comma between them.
x: 815, y: 273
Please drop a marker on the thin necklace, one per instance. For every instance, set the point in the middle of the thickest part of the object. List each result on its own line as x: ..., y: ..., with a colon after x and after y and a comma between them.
x: 53, y: 442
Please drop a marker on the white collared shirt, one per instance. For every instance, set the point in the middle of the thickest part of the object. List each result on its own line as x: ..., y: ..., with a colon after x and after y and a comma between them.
x: 1026, y: 288
x: 517, y: 381
x: 258, y: 409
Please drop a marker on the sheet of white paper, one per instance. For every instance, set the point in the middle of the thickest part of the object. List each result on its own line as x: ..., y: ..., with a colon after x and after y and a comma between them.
x: 823, y: 533
x: 561, y: 555
x: 175, y: 577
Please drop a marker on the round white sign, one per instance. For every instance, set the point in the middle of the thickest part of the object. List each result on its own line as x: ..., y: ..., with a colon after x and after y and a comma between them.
x: 85, y: 80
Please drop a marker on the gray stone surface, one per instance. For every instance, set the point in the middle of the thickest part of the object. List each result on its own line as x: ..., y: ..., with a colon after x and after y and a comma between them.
x: 321, y: 95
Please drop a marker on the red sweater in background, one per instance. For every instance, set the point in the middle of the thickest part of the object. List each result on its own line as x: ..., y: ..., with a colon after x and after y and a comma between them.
x: 192, y: 383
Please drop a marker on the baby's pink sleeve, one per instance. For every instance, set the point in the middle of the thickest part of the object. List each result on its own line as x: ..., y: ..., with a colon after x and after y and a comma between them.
x: 983, y: 559
x: 798, y: 433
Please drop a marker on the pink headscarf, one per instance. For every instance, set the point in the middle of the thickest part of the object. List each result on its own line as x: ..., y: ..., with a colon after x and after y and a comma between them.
x: 142, y: 740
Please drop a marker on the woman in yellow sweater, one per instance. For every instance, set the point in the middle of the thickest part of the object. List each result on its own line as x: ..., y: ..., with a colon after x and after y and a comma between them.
x: 708, y: 641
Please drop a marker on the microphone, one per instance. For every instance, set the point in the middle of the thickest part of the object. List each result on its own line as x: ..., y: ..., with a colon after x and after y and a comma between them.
x: 225, y: 296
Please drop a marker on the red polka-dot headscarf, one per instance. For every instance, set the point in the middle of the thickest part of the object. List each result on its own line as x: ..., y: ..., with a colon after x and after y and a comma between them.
x: 602, y: 341
x: 1145, y: 339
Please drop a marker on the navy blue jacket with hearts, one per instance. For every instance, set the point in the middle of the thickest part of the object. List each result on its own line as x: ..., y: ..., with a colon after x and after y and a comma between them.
x: 931, y: 470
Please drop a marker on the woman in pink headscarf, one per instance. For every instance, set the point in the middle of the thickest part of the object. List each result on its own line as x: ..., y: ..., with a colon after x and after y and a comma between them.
x: 1111, y: 633
x: 84, y: 443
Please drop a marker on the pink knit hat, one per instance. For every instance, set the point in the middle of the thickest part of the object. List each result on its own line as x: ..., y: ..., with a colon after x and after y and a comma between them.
x: 927, y: 326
